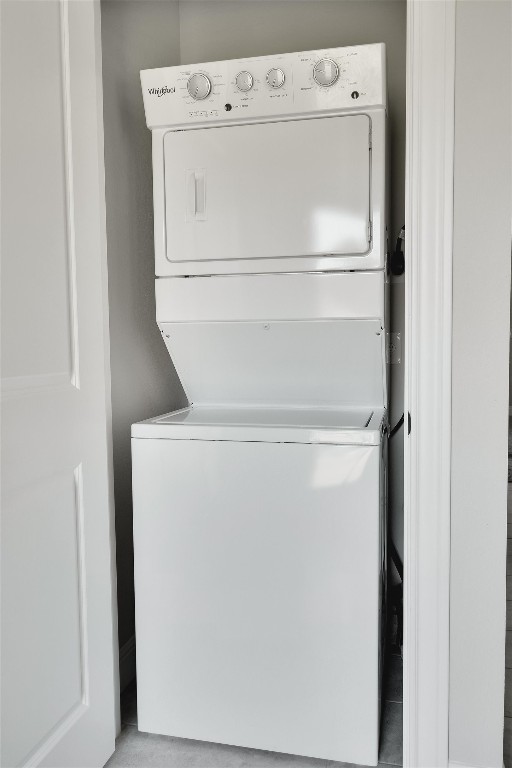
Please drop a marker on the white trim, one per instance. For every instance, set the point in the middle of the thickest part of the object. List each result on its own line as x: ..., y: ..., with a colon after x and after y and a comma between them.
x: 98, y: 52
x: 127, y: 663
x: 428, y: 304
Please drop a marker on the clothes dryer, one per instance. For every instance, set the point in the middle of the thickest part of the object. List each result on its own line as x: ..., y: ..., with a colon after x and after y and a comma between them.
x: 259, y: 510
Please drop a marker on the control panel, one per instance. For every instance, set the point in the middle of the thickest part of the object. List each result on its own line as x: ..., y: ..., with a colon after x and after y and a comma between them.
x: 329, y: 81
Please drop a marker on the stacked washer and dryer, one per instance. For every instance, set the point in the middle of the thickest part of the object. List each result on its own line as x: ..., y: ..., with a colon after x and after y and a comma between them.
x: 259, y: 509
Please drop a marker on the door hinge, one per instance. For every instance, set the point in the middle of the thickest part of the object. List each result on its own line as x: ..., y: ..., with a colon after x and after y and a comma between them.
x: 369, y: 231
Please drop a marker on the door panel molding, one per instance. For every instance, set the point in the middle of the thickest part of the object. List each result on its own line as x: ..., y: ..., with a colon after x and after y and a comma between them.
x: 69, y: 189
x: 55, y: 735
x: 82, y: 595
x: 20, y: 386
x: 65, y: 723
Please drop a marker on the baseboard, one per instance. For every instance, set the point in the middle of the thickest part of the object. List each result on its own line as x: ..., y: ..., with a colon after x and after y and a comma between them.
x: 127, y: 663
x: 455, y: 764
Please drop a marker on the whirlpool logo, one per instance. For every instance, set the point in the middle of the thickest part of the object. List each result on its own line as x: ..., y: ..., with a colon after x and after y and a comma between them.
x: 161, y: 91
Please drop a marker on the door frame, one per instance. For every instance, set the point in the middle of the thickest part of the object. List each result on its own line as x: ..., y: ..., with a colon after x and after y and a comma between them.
x: 100, y: 148
x: 428, y: 327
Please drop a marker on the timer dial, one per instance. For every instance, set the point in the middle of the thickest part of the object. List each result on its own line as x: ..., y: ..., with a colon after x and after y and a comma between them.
x: 326, y: 72
x: 275, y: 78
x: 244, y: 81
x: 199, y: 86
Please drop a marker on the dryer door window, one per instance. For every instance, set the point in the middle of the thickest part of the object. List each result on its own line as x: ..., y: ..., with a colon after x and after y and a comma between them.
x: 286, y: 189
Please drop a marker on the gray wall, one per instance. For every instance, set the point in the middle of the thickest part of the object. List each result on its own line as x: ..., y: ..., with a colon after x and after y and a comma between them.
x: 135, y: 35
x: 481, y: 295
x: 144, y: 33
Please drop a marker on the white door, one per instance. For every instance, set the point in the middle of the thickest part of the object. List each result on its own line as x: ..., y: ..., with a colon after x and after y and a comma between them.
x: 278, y: 190
x: 57, y: 573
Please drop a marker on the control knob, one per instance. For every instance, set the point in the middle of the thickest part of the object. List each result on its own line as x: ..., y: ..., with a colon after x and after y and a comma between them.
x: 325, y: 72
x: 275, y: 78
x: 244, y: 81
x: 199, y: 86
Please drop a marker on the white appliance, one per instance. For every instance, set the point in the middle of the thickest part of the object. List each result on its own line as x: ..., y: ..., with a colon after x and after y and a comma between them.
x: 259, y: 510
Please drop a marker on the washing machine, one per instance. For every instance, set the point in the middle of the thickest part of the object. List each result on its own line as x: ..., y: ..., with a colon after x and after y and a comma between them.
x: 259, y: 509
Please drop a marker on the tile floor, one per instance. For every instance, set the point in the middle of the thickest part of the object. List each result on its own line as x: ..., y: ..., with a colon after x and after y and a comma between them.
x: 146, y: 750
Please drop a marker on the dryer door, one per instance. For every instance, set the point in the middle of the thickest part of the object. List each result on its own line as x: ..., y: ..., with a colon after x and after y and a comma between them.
x: 241, y: 198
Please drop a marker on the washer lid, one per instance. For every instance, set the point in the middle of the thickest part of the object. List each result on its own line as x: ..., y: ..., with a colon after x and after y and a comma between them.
x: 338, y: 426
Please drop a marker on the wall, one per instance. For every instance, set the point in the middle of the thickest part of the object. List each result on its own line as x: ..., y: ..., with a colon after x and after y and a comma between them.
x: 481, y: 295
x: 135, y: 35
x: 212, y: 30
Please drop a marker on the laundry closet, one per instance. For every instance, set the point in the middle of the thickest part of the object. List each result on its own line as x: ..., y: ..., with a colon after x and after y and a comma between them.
x: 284, y: 324
x: 192, y: 331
